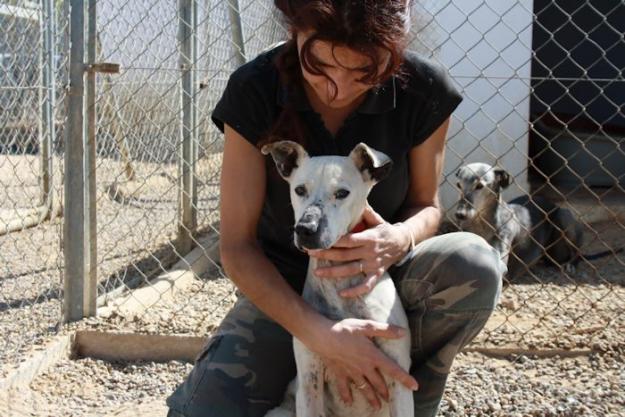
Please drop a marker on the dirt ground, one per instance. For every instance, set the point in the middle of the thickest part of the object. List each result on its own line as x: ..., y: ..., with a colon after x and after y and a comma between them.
x: 134, y: 241
x: 554, y: 314
x: 547, y: 310
x: 516, y: 385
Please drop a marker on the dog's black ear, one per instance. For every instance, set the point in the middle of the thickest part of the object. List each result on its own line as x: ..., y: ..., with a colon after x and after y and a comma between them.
x: 502, y: 177
x: 286, y: 154
x: 374, y: 165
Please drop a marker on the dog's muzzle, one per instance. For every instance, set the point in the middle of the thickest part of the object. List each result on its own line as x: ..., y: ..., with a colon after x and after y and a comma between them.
x: 309, y: 228
x: 464, y: 211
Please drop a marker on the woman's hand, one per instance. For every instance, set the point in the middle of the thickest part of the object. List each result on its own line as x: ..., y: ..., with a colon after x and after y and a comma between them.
x: 354, y: 360
x: 370, y: 252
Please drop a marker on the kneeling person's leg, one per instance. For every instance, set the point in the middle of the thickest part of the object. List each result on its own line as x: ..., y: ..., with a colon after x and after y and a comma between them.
x: 449, y: 290
x: 243, y: 371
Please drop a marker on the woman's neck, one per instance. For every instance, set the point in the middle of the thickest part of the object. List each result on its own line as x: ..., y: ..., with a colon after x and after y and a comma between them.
x: 333, y: 117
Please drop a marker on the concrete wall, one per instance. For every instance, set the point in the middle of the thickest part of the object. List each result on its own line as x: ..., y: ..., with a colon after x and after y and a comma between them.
x: 487, y: 46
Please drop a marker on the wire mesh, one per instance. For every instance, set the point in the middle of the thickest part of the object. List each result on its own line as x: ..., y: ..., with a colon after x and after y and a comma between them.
x: 543, y: 89
x: 139, y: 124
x: 492, y: 52
x: 31, y: 65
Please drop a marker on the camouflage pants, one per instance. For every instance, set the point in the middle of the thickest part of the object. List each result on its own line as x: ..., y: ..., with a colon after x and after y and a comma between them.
x: 449, y: 290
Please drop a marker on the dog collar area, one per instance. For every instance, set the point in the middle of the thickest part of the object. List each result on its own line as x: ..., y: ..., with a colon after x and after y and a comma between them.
x: 359, y: 227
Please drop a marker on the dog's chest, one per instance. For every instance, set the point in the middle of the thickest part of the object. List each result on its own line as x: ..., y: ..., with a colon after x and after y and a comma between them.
x: 481, y: 228
x: 381, y: 305
x: 324, y: 296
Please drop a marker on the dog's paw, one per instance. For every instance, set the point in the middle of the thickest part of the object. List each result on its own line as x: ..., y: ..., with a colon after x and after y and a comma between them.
x: 569, y: 268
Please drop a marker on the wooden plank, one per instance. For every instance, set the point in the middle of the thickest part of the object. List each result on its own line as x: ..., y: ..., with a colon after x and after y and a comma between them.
x: 136, y: 347
x: 539, y: 353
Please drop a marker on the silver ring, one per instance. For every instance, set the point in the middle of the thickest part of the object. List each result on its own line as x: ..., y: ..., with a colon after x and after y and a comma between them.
x: 362, y: 270
x: 361, y: 386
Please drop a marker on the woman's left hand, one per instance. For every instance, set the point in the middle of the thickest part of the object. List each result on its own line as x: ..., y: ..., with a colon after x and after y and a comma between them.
x: 370, y: 252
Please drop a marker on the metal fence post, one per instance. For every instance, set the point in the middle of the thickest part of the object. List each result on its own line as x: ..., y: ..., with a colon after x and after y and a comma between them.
x: 90, y: 166
x: 78, y: 295
x: 48, y: 103
x: 187, y: 38
x: 234, y: 12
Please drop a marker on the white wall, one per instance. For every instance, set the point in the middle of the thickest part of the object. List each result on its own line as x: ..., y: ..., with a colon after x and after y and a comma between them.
x: 486, y: 45
x: 142, y: 34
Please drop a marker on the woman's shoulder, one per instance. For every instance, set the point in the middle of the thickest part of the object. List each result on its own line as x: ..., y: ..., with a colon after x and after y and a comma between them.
x: 260, y: 71
x: 249, y: 99
x: 424, y: 76
x: 427, y: 87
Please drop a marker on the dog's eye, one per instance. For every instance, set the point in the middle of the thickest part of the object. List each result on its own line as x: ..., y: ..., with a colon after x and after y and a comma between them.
x: 341, y: 194
x: 300, y: 190
x: 479, y: 186
x: 458, y: 185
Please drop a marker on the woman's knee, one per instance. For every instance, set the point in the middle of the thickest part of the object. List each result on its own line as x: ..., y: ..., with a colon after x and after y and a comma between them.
x: 459, y: 271
x: 233, y: 378
x: 242, y: 372
x: 475, y: 264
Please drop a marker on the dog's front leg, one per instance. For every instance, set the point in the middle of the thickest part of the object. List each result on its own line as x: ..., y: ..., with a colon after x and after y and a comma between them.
x: 503, y: 245
x: 310, y: 382
x: 401, y: 400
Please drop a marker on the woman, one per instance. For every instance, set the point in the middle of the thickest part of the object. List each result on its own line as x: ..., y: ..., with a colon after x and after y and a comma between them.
x: 343, y: 77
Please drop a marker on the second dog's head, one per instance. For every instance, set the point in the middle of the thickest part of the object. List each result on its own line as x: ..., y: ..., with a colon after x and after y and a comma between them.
x: 328, y: 193
x: 480, y: 187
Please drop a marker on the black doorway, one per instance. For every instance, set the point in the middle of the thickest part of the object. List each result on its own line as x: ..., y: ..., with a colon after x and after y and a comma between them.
x: 578, y: 81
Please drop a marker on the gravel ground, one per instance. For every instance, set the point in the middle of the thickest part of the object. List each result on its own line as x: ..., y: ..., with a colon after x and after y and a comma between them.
x: 88, y: 387
x: 478, y: 386
x: 133, y: 238
x: 523, y: 386
x: 30, y: 278
x: 547, y: 310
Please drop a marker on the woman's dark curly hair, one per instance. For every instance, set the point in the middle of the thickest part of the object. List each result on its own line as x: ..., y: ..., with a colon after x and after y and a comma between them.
x: 366, y: 26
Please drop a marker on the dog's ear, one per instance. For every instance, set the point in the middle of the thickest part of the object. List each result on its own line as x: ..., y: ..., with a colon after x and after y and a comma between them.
x: 502, y: 177
x: 373, y: 165
x: 286, y: 154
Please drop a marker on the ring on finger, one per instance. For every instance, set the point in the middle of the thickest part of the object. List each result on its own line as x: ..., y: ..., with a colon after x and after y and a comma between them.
x: 362, y: 385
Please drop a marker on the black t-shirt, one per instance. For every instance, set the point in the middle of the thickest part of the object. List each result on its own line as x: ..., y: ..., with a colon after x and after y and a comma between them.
x: 393, y: 118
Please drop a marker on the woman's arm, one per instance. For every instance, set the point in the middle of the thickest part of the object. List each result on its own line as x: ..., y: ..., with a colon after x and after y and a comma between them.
x: 242, y: 195
x: 421, y: 212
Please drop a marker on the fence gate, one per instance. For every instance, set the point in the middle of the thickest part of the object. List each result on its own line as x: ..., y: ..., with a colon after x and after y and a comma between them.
x: 143, y: 151
x: 32, y: 66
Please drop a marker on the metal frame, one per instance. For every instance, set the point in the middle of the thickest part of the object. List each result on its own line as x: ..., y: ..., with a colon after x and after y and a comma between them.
x: 187, y: 38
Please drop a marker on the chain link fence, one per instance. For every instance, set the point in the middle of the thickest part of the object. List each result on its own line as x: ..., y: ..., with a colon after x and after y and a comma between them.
x: 32, y: 66
x: 158, y: 154
x: 543, y: 88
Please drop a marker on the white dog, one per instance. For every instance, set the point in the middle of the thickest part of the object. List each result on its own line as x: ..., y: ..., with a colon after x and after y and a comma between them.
x: 328, y: 195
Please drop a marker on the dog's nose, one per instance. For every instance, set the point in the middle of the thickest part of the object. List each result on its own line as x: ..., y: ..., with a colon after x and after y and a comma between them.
x: 308, y: 224
x: 461, y: 215
x: 307, y: 228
